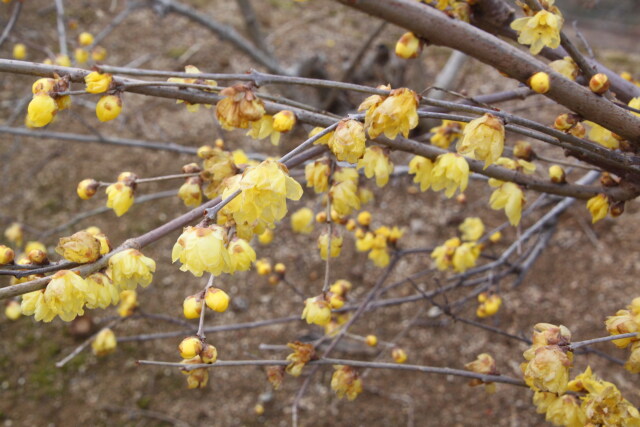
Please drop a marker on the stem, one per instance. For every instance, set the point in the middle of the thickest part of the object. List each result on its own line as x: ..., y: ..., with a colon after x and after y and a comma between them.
x: 584, y: 343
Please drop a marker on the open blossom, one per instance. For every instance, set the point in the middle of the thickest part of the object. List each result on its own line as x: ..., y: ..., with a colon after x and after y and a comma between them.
x: 510, y: 197
x: 317, y: 311
x: 239, y: 107
x: 483, y: 139
x: 540, y: 30
x: 190, y: 192
x: 421, y: 167
x: 443, y: 254
x: 119, y: 197
x: 302, y: 354
x: 450, y: 172
x: 344, y: 197
x: 101, y: 291
x: 263, y: 128
x: 598, y: 206
x: 129, y: 268
x: 348, y: 141
x: 201, y: 249
x: 465, y: 257
x: 64, y: 296
x: 472, y: 228
x: 323, y: 245
x: 443, y: 135
x: 241, y: 255
x: 346, y: 382
x: 81, y: 247
x: 302, y: 221
x: 391, y: 115
x: 376, y: 162
x: 548, y: 370
x: 317, y: 175
x: 104, y: 343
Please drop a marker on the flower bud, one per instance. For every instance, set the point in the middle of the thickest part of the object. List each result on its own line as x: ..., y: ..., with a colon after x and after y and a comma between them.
x: 87, y: 188
x: 99, y: 53
x: 617, y: 209
x: 351, y: 225
x: 36, y: 256
x: 522, y: 150
x: 108, y: 108
x: 599, y: 83
x: 6, y: 255
x: 81, y: 55
x: 192, y: 307
x: 266, y: 237
x: 364, y: 218
x: 371, y: 340
x: 97, y: 82
x: 284, y: 121
x: 191, y: 168
x: 19, y: 51
x: 316, y: 311
x: 209, y: 354
x: 539, y: 82
x: 205, y: 151
x: 608, y: 180
x: 217, y: 300
x: 104, y: 343
x: 190, y: 347
x: 41, y: 110
x: 556, y: 174
x: 263, y: 267
x: 80, y: 247
x: 408, y: 46
x: 598, y: 206
x: 398, y: 355
x: 219, y: 143
x: 13, y: 310
x: 280, y: 268
x: 274, y: 279
x: 85, y: 39
x: 321, y: 217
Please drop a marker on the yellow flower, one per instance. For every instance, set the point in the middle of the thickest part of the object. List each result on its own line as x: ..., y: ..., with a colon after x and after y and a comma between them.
x: 548, y: 369
x: 565, y: 66
x: 87, y: 188
x: 239, y: 107
x: 85, y: 38
x: 128, y: 303
x: 262, y: 128
x: 192, y: 306
x: 538, y: 31
x: 81, y: 247
x: 391, y: 115
x: 465, y: 257
x: 472, y: 229
x: 302, y: 354
x: 408, y: 46
x: 376, y: 162
x: 624, y: 322
x: 263, y: 267
x: 323, y: 243
x: 633, y: 363
x: 483, y: 138
x: 119, y: 197
x: 81, y: 55
x: 108, y: 108
x: 602, y: 136
x: 556, y: 174
x: 266, y: 237
x: 443, y: 135
x: 421, y: 167
x: 64, y: 296
x: 443, y: 255
x: 6, y: 255
x: 284, y: 121
x: 19, y: 51
x: 539, y: 82
x: 348, y: 141
x: 190, y: 347
x: 241, y: 255
x: 566, y: 411
x: 598, y: 205
x: 302, y: 221
x: 635, y: 103
x: 344, y: 197
x: 12, y: 310
x: 99, y: 53
x: 484, y: 364
x: 104, y: 343
x: 346, y: 382
x: 202, y: 249
x: 488, y: 306
x: 63, y: 60
x: 41, y: 111
x: 14, y: 233
x: 190, y: 192
x: 450, y: 172
x: 398, y: 355
x: 196, y: 378
x: 371, y: 340
x: 317, y: 175
x: 97, y: 82
x: 316, y: 311
x: 510, y: 197
x: 324, y: 140
x: 599, y: 83
x: 129, y: 268
x: 217, y: 300
x: 101, y: 292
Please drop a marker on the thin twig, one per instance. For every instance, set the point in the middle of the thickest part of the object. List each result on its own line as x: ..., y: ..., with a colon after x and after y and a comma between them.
x: 62, y: 34
x: 200, y: 334
x: 15, y: 13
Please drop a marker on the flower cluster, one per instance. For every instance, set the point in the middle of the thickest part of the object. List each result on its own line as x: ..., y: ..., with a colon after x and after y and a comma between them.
x: 624, y: 322
x: 46, y: 102
x: 548, y: 359
x: 489, y: 304
x: 377, y: 242
x: 391, y: 115
x: 449, y: 172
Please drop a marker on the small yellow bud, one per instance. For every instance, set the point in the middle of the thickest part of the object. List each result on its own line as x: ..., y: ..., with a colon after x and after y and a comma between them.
x: 566, y: 121
x: 280, y: 268
x: 87, y: 188
x: 599, y: 83
x: 99, y: 53
x: 205, y: 151
x: 274, y: 279
x: 41, y: 110
x: 364, y: 218
x: 578, y: 130
x: 44, y: 85
x: 209, y: 354
x: 495, y: 237
x: 19, y: 51
x: 108, y: 108
x: 14, y: 233
x: 6, y: 255
x: 190, y: 192
x: 490, y: 306
x: 81, y: 55
x: 617, y: 209
x: 302, y: 221
x: 626, y: 75
x: 85, y: 39
x: 119, y: 197
x: 556, y: 174
x: 263, y: 267
x: 284, y: 121
x: 104, y: 343
x: 266, y: 237
x: 219, y: 143
x: 127, y: 177
x: 217, y: 300
x: 371, y: 340
x: 190, y: 347
x: 192, y: 307
x: 340, y: 287
x: 539, y: 82
x: 398, y: 355
x: 259, y: 409
x: 128, y: 303
x: 321, y: 217
x: 522, y: 150
x: 408, y: 46
x: 13, y: 310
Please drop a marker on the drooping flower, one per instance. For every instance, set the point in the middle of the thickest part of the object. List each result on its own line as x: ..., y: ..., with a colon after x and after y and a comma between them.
x: 302, y: 354
x: 376, y: 162
x: 483, y: 138
x: 391, y: 115
x: 323, y: 245
x: 598, y: 205
x: 421, y: 167
x: 241, y: 255
x: 239, y: 107
x: 191, y: 192
x: 316, y: 311
x: 346, y: 382
x: 348, y: 141
x: 201, y: 249
x: 129, y: 268
x: 302, y: 221
x: 81, y: 247
x: 443, y: 135
x: 119, y: 197
x: 104, y: 343
x: 472, y: 228
x: 443, y: 255
x: 64, y: 296
x: 508, y: 196
x: 450, y: 172
x: 263, y: 128
x: 540, y: 30
x: 101, y: 291
x: 317, y: 175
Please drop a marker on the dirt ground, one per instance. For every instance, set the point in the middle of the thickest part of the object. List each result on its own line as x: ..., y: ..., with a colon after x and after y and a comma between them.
x: 587, y: 273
